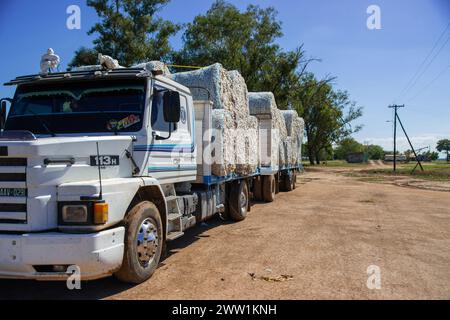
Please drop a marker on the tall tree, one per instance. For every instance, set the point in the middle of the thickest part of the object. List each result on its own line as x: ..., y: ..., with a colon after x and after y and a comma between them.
x: 128, y: 31
x: 347, y: 146
x: 444, y: 145
x: 328, y: 113
x: 375, y: 152
x: 244, y: 41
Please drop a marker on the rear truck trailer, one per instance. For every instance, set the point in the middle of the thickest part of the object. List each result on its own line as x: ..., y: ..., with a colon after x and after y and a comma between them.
x: 100, y: 168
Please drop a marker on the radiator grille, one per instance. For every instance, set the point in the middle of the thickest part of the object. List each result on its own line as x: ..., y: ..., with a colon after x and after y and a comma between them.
x: 13, y: 190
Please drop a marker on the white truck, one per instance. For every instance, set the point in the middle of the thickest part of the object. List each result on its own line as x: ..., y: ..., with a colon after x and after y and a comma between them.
x: 99, y: 169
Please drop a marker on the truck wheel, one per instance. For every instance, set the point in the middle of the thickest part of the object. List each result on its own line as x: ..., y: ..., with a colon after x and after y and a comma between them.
x: 294, y: 180
x: 269, y: 188
x: 257, y: 189
x: 238, y: 202
x: 143, y: 243
x: 287, y: 181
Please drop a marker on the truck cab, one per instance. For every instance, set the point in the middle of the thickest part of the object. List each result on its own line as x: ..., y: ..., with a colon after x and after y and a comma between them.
x: 89, y: 161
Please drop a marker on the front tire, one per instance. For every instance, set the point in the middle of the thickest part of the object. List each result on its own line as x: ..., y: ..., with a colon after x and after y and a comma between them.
x: 144, y: 242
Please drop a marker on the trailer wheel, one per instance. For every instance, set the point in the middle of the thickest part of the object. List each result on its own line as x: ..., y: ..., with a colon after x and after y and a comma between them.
x: 257, y: 189
x: 287, y: 181
x: 238, y: 202
x: 269, y: 188
x: 294, y: 180
x: 143, y: 243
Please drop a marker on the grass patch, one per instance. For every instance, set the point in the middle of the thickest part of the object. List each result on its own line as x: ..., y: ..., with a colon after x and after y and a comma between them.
x: 439, y: 171
x: 336, y: 164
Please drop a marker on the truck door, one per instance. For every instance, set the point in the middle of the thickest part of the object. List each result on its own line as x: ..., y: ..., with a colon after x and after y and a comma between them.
x: 172, y: 159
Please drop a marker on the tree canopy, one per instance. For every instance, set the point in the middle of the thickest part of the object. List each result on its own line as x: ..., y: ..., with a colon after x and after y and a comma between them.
x: 444, y: 145
x: 328, y: 113
x: 243, y: 41
x: 347, y: 146
x: 375, y: 152
x: 129, y: 31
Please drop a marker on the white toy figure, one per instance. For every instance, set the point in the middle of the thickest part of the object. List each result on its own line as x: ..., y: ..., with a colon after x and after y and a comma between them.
x: 107, y: 62
x: 49, y: 61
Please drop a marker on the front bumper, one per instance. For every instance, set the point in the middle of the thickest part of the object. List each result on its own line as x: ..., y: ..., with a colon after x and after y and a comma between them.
x: 97, y: 255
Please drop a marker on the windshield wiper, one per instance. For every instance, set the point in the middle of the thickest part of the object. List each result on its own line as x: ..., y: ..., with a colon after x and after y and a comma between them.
x: 42, y: 122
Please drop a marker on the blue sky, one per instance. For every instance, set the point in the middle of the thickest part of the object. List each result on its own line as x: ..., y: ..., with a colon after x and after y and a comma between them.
x: 373, y: 65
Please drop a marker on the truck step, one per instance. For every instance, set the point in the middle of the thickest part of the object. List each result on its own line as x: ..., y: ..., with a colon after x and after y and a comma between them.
x: 171, y: 198
x: 173, y: 216
x: 174, y: 235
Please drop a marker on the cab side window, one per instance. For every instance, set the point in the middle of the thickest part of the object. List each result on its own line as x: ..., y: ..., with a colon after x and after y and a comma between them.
x: 157, y: 116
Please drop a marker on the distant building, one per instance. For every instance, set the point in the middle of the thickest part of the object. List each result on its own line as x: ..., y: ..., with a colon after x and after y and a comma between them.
x: 390, y: 157
x: 357, y: 157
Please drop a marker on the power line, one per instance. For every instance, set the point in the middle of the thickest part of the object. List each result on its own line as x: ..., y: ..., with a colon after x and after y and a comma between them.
x: 430, y: 83
x: 428, y: 65
x: 408, y: 85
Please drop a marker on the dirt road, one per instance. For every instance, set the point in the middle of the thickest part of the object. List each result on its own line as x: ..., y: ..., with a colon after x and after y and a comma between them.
x: 313, y: 243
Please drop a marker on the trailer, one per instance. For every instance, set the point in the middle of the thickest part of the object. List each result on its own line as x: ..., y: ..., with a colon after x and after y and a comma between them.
x: 100, y: 168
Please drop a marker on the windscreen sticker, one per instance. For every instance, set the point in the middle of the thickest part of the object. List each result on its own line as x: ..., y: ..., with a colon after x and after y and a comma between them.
x: 124, y: 123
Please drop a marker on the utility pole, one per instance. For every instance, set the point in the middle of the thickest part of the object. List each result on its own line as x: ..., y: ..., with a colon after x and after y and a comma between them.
x: 396, y: 117
x: 395, y: 107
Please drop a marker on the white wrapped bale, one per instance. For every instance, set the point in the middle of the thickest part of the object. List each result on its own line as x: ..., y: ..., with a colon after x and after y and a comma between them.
x: 263, y: 104
x: 224, y: 143
x: 213, y: 78
x: 289, y: 152
x: 239, y: 95
x: 295, y: 127
x: 154, y: 66
x: 228, y: 92
x: 247, y: 153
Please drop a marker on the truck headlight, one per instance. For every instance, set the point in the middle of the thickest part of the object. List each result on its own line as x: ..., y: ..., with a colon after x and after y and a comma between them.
x: 74, y: 214
x: 82, y: 213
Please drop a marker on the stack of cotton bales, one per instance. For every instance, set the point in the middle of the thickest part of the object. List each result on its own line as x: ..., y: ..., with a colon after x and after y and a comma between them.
x: 235, y: 136
x: 295, y: 127
x: 224, y: 140
x: 246, y: 144
x: 264, y: 104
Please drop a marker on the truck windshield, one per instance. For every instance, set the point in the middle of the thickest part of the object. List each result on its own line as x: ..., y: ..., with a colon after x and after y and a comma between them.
x: 79, y: 107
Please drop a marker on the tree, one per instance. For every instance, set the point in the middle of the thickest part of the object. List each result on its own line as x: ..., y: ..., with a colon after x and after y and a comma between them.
x: 430, y: 155
x: 328, y: 113
x: 243, y: 41
x: 444, y: 145
x: 347, y: 146
x: 128, y: 31
x: 375, y: 152
x: 84, y: 57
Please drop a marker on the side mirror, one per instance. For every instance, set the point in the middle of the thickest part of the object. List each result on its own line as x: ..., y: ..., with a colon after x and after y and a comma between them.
x: 172, y: 107
x: 3, y: 115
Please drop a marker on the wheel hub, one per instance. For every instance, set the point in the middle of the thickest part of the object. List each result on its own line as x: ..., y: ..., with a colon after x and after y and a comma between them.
x: 147, y: 242
x: 243, y: 201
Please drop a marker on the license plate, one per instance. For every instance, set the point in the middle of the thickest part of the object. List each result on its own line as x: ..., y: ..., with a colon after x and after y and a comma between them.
x: 13, y: 192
